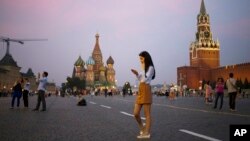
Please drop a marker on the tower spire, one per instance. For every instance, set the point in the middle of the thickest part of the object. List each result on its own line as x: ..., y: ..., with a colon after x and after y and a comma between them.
x: 203, y: 8
x: 97, y: 38
x: 97, y: 49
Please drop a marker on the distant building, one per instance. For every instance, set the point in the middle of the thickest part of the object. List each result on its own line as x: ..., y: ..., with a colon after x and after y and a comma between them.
x: 204, y: 55
x: 32, y: 78
x: 96, y: 73
x: 10, y: 73
x: 51, y: 88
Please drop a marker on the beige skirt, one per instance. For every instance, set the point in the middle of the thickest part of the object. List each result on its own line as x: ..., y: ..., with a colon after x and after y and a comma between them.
x: 144, y: 94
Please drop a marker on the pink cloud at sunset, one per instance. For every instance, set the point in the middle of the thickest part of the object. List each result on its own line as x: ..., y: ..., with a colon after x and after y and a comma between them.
x: 165, y: 28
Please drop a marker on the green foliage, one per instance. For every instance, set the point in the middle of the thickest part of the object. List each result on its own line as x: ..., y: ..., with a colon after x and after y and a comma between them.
x: 246, y: 85
x: 213, y: 84
x: 203, y: 83
x: 63, y: 87
x: 239, y: 83
x: 127, y: 87
x: 105, y: 84
x: 75, y: 82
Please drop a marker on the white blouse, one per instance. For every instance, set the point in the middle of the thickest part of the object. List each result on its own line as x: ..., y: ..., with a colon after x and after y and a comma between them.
x: 141, y: 76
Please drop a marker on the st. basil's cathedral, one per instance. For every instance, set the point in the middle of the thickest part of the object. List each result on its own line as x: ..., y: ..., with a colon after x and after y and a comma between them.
x: 96, y: 73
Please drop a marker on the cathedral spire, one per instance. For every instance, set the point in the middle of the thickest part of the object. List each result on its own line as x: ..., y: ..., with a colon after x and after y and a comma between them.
x: 97, y: 38
x: 97, y: 49
x: 203, y: 8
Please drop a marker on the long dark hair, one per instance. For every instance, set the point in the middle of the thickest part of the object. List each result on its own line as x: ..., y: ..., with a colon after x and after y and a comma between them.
x: 148, y: 62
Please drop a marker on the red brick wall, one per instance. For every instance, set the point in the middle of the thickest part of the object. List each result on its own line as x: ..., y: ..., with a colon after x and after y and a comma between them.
x: 206, y: 59
x: 192, y: 75
x: 241, y: 71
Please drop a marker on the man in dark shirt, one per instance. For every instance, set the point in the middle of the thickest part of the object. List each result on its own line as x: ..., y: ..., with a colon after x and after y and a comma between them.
x: 17, y: 93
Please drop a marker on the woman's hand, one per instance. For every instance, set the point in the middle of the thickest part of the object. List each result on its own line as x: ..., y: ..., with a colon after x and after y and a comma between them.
x: 134, y: 72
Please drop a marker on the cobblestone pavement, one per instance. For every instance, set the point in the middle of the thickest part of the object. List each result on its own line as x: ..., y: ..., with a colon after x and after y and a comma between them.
x: 110, y: 119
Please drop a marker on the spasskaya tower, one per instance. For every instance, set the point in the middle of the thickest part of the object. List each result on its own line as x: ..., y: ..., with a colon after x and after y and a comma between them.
x: 204, y: 51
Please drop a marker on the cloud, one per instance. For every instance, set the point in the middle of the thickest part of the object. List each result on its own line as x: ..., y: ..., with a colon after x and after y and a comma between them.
x: 125, y: 17
x: 163, y: 27
x: 239, y: 29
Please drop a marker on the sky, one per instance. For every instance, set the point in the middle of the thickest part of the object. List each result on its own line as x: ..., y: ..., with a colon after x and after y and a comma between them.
x: 164, y: 28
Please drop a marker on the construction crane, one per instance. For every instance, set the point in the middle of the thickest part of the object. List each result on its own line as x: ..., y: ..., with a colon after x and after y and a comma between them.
x: 20, y: 41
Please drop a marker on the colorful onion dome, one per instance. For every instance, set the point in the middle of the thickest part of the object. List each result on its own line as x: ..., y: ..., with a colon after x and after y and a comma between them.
x: 79, y: 62
x: 90, y: 61
x: 110, y: 60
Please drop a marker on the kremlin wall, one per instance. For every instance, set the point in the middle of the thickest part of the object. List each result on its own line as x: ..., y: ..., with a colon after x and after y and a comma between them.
x: 204, y: 55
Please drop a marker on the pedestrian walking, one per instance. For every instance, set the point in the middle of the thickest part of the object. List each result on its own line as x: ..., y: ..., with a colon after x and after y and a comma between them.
x: 243, y: 94
x: 232, y: 91
x: 41, y: 91
x: 144, y: 97
x: 208, y: 90
x: 172, y: 92
x: 123, y: 92
x: 92, y: 92
x: 105, y: 92
x: 26, y: 93
x: 219, y: 88
x: 17, y: 92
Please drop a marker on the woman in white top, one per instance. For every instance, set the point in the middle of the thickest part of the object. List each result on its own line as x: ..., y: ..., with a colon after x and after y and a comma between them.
x: 144, y: 97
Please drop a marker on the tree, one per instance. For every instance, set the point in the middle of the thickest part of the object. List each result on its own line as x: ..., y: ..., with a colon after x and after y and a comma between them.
x: 105, y: 84
x: 75, y: 82
x: 203, y: 83
x: 63, y: 87
x: 239, y: 83
x: 127, y: 88
x: 246, y: 84
x: 213, y: 84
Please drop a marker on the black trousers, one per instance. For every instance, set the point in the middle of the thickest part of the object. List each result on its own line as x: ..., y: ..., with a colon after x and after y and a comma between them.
x: 25, y: 98
x: 15, y: 95
x: 41, y: 98
x: 232, y: 98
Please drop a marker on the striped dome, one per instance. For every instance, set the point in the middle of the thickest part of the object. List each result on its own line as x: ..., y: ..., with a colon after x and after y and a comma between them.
x: 79, y: 62
x: 90, y: 61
